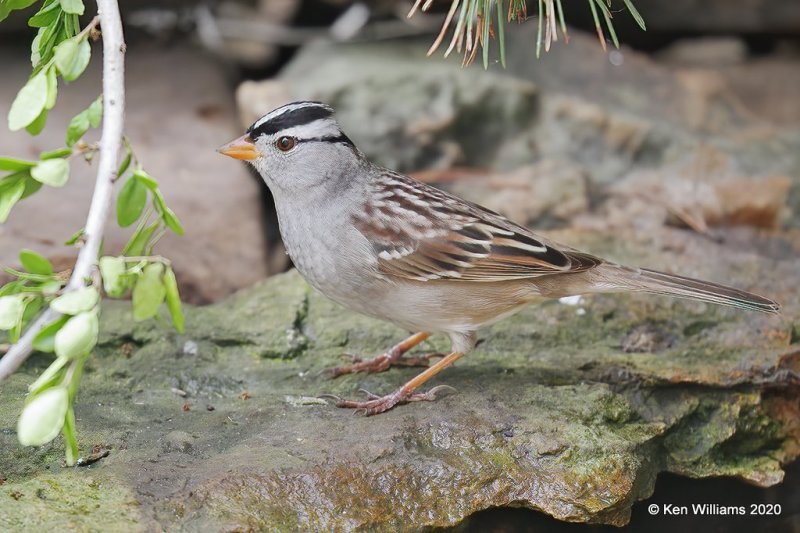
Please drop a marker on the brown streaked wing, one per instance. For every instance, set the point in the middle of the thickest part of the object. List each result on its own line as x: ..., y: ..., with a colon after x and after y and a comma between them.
x: 422, y: 233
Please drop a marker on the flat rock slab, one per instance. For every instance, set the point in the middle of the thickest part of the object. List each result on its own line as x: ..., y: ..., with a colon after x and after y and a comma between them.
x: 569, y: 409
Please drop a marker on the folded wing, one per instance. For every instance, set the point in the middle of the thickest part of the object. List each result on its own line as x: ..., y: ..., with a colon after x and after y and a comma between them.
x: 422, y: 233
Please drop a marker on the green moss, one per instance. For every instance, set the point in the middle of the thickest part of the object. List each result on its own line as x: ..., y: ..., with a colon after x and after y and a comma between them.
x: 68, y: 499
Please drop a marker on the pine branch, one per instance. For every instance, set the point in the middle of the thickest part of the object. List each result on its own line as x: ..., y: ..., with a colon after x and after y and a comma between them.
x: 474, y: 25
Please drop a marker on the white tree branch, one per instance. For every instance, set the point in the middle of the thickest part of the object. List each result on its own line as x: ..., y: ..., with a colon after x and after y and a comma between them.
x: 110, y: 141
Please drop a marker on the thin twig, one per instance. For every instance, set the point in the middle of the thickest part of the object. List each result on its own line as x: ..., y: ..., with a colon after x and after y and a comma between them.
x: 113, y: 116
x: 89, y: 27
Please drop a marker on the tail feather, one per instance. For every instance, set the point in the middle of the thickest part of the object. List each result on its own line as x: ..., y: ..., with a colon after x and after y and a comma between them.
x: 656, y: 282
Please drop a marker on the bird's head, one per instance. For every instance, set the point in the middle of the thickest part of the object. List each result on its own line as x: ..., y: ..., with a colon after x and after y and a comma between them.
x: 295, y: 146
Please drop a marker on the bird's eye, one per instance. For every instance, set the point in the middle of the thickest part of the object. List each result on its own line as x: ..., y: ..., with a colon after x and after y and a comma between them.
x: 284, y: 144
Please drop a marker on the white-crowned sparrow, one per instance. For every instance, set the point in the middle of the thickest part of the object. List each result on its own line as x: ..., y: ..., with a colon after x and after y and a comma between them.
x: 388, y: 246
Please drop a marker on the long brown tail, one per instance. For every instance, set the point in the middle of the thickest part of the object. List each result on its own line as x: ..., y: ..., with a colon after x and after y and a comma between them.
x: 656, y: 282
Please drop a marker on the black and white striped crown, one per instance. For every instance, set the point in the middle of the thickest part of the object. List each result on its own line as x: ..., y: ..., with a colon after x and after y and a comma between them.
x: 306, y: 121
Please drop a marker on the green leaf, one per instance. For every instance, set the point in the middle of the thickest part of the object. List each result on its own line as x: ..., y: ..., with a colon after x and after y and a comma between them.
x: 57, y: 153
x: 149, y: 292
x: 11, y: 309
x: 47, y: 378
x: 78, y: 336
x: 167, y: 215
x: 9, y: 195
x: 45, y: 16
x: 36, y: 127
x: 75, y: 237
x: 52, y: 88
x: 36, y: 58
x: 73, y: 23
x: 74, y: 7
x: 80, y: 123
x: 78, y: 127
x: 29, y: 103
x: 172, y: 222
x: 35, y: 263
x: 139, y: 240
x: 95, y: 112
x: 10, y: 163
x: 33, y: 307
x: 50, y: 288
x: 42, y: 419
x: 113, y: 270
x: 70, y: 438
x: 173, y: 300
x: 148, y: 181
x: 123, y: 167
x: 77, y: 301
x: 51, y: 36
x: 83, y: 55
x: 12, y: 287
x: 66, y: 55
x: 32, y: 303
x: 53, y: 172
x: 45, y: 340
x: 72, y: 56
x: 31, y: 186
x: 7, y: 6
x: 130, y: 202
x: 13, y: 180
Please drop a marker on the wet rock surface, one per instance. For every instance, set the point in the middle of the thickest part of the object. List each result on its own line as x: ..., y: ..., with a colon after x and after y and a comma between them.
x: 221, y: 429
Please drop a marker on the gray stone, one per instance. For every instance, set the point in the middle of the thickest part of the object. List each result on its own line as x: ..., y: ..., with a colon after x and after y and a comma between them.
x: 177, y: 441
x: 608, y: 121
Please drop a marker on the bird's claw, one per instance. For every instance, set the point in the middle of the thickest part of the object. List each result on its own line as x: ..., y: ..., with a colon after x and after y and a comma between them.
x: 379, y: 404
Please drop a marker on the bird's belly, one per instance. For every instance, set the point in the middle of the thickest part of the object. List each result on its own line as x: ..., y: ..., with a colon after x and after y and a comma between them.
x: 438, y: 307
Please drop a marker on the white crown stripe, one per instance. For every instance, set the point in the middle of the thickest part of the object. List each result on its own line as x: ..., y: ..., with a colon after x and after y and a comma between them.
x: 323, y: 127
x: 283, y: 110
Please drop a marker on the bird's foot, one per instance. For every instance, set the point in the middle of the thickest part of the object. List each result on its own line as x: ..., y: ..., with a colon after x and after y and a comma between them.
x: 394, y: 356
x: 380, y: 404
x: 381, y: 363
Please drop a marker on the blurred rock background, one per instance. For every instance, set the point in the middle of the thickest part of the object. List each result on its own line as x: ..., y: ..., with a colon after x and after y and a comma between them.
x: 693, y: 125
x: 680, y: 126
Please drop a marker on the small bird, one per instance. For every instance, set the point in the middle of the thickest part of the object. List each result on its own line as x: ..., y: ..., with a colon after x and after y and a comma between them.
x: 388, y: 246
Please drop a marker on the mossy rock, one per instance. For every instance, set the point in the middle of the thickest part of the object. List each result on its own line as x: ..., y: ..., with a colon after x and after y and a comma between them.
x: 222, y: 428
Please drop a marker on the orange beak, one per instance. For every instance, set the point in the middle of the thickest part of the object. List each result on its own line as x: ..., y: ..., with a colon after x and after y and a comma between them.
x: 242, y: 148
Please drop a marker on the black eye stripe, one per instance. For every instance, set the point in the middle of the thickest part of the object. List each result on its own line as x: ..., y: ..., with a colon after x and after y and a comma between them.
x: 285, y: 143
x: 340, y: 138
